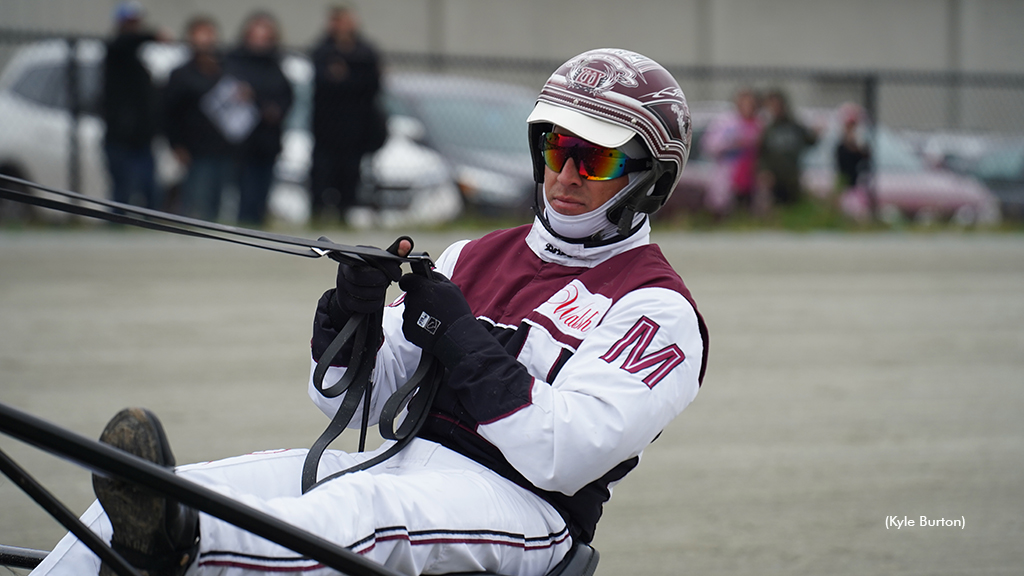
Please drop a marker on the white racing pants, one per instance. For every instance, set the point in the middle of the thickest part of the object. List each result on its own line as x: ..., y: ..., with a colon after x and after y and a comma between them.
x: 426, y: 510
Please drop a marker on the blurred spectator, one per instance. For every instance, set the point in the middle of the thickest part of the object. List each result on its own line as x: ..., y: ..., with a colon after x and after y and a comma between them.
x: 853, y: 156
x: 782, y: 143
x: 130, y: 110
x: 732, y: 141
x: 256, y: 62
x: 346, y: 120
x: 853, y: 164
x: 190, y: 122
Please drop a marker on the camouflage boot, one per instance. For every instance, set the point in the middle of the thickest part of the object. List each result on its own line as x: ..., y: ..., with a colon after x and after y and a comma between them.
x: 158, y: 536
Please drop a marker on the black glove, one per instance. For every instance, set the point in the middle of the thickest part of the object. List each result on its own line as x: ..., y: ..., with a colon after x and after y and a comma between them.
x: 488, y: 380
x: 362, y: 288
x: 432, y: 307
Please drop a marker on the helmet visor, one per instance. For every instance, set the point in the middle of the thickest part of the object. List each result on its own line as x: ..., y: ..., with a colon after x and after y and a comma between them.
x: 593, y: 162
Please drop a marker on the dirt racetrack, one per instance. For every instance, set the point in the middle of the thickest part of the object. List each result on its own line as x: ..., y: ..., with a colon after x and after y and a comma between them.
x: 852, y: 378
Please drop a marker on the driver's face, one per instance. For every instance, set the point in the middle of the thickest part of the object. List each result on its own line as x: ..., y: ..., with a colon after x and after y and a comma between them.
x: 571, y: 194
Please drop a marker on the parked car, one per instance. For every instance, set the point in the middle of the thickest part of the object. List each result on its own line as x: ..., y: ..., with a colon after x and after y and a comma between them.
x: 479, y: 126
x: 35, y: 130
x: 1002, y: 170
x: 953, y: 151
x: 35, y: 127
x: 905, y: 186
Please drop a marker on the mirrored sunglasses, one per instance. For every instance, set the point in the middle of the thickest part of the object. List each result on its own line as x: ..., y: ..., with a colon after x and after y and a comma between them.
x: 593, y: 162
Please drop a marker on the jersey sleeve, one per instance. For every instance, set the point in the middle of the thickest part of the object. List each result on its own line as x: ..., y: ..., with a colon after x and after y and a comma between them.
x: 397, y: 358
x: 627, y: 380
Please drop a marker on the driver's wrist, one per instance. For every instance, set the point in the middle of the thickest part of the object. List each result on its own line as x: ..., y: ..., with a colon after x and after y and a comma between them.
x: 462, y: 337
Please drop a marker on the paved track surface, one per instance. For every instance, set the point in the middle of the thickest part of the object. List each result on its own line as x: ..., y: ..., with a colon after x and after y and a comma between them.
x: 851, y: 378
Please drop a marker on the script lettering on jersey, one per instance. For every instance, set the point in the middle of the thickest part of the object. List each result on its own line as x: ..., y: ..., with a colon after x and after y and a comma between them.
x: 575, y: 310
x: 640, y: 337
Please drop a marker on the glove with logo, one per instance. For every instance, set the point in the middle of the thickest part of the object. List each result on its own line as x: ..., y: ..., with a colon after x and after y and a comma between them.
x: 488, y: 379
x: 433, y: 306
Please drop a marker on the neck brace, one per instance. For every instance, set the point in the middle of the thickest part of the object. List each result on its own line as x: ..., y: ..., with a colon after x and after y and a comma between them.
x: 593, y: 224
x: 549, y: 248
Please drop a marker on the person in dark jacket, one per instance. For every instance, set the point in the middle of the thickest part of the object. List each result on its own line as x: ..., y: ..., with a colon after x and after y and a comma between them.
x: 190, y: 122
x: 130, y: 110
x: 852, y: 154
x: 347, y: 81
x: 853, y: 163
x: 783, y: 142
x: 256, y: 62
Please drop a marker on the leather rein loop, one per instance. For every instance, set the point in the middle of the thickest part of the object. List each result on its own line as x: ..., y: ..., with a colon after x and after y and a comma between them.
x: 415, y: 397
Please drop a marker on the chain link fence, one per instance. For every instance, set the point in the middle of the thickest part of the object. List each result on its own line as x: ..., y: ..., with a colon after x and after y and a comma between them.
x: 954, y: 142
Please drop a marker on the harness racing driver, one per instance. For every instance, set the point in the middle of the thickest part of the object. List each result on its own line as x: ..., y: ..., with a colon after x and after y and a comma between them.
x: 568, y: 345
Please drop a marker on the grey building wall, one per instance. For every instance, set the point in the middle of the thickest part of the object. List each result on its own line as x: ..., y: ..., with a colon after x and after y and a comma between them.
x: 972, y: 35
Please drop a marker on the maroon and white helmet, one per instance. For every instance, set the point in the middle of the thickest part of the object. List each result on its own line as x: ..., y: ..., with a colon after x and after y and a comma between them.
x: 609, y: 96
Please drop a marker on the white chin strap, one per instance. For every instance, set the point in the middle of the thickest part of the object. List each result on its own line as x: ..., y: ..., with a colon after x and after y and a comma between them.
x: 595, y: 222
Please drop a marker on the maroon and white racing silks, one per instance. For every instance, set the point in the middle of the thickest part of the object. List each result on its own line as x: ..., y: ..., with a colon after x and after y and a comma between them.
x: 601, y: 347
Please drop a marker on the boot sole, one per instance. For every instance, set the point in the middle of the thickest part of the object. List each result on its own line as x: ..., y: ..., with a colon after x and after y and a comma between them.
x: 136, y: 513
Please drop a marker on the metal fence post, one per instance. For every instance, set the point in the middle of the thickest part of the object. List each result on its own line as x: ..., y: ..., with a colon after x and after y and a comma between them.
x: 954, y: 117
x: 871, y: 111
x: 74, y: 112
x: 435, y: 35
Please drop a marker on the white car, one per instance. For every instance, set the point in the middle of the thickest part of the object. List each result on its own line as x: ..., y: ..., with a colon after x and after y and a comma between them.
x: 35, y: 135
x: 35, y: 127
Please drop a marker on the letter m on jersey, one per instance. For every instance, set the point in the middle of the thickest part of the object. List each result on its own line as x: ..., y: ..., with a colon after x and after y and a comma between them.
x: 636, y: 341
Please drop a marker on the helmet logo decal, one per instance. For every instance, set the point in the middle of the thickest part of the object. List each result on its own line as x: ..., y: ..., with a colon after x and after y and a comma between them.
x: 670, y: 93
x: 597, y: 73
x: 674, y: 96
x: 683, y: 117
